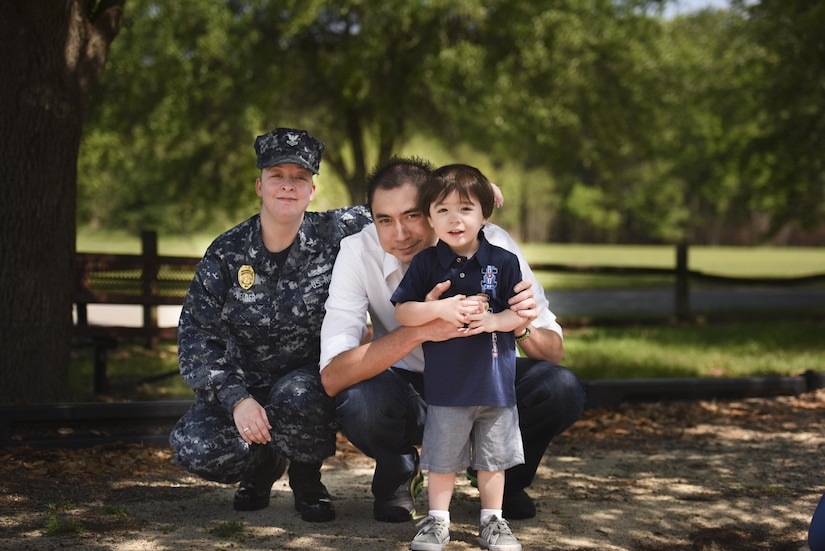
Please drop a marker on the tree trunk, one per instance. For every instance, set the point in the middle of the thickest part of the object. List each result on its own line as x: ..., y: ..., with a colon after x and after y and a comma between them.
x: 52, y: 54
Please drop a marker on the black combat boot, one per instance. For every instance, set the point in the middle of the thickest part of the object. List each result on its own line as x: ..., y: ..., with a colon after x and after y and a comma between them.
x: 255, y: 487
x: 311, y: 497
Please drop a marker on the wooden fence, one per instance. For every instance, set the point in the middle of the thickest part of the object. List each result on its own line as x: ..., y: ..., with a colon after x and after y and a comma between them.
x: 147, y: 279
x: 682, y: 276
x: 150, y: 280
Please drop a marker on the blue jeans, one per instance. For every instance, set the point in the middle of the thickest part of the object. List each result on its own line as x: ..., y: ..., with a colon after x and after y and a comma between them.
x: 816, y: 531
x: 384, y: 418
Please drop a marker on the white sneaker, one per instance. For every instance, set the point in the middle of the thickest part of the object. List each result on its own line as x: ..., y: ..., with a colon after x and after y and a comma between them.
x: 433, y: 535
x: 496, y: 536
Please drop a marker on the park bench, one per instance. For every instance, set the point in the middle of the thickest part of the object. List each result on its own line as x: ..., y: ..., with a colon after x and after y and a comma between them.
x: 147, y: 280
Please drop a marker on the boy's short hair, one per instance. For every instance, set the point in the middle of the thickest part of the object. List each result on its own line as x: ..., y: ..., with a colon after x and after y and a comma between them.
x: 468, y: 181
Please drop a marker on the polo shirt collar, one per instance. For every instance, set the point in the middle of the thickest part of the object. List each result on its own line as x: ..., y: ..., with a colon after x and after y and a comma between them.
x: 446, y: 256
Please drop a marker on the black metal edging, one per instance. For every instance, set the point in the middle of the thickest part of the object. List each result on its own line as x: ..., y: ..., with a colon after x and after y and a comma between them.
x: 124, y: 422
x: 610, y: 393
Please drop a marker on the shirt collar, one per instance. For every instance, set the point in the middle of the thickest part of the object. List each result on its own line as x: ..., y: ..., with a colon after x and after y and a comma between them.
x: 446, y: 256
x: 392, y: 265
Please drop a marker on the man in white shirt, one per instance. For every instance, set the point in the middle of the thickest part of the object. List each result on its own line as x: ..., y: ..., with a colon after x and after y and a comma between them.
x: 378, y: 385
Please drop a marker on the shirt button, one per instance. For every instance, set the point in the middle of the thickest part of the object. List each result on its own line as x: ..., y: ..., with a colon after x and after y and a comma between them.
x: 461, y: 275
x: 458, y: 260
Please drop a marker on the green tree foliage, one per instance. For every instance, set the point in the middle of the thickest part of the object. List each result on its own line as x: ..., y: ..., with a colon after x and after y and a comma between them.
x: 602, y: 121
x: 786, y: 161
x: 362, y: 71
x: 196, y: 82
x: 162, y: 149
x: 572, y: 87
x: 708, y: 117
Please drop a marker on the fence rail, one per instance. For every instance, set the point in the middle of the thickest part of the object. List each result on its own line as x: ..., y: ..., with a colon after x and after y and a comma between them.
x: 147, y: 279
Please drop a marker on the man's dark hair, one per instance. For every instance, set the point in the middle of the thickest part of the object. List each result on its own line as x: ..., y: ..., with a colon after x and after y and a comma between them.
x: 396, y: 172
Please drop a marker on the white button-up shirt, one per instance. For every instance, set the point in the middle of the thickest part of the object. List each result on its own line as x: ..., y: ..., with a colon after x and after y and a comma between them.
x: 365, y: 277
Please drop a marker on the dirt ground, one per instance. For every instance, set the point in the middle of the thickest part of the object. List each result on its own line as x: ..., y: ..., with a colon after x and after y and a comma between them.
x: 741, y: 475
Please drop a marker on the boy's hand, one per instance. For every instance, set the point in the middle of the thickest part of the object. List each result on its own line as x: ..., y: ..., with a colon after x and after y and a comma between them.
x: 478, y: 312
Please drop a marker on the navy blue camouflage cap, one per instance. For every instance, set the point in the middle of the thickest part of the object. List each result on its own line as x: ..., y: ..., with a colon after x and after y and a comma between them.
x: 289, y: 145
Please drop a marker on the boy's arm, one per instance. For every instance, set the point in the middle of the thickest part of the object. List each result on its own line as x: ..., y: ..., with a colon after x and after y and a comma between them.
x: 457, y: 310
x: 413, y: 313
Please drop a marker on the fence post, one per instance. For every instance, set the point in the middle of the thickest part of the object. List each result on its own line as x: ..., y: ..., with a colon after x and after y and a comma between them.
x: 81, y: 282
x: 149, y: 282
x: 682, y: 282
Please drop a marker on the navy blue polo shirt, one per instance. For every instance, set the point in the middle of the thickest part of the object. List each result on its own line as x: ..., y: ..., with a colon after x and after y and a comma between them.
x: 478, y: 370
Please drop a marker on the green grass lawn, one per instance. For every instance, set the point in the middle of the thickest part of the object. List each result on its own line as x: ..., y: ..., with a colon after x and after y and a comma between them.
x: 724, y: 261
x: 754, y: 262
x: 733, y: 348
x: 739, y: 348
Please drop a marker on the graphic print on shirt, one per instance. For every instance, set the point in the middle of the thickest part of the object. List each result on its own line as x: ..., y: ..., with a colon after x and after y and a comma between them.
x: 488, y: 287
x: 488, y: 281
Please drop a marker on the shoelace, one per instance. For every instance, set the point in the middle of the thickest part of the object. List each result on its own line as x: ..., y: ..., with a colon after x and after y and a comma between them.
x: 496, y: 528
x: 428, y: 524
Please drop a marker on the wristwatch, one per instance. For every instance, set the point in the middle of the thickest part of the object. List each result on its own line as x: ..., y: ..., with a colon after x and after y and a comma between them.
x: 524, y: 335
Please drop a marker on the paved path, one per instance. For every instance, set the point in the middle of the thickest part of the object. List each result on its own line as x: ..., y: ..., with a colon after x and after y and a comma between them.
x: 601, y: 301
x: 660, y: 301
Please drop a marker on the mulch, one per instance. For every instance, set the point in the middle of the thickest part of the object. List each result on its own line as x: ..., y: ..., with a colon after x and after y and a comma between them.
x: 48, y: 491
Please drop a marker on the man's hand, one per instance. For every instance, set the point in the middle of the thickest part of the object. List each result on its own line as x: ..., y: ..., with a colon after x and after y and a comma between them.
x: 437, y: 291
x: 523, y: 302
x: 439, y: 330
x: 251, y: 421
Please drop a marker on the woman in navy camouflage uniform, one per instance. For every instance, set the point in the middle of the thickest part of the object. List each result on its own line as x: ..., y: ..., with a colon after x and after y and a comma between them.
x: 249, y: 338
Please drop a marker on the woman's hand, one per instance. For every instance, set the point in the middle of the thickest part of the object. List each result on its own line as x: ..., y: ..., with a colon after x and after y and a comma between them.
x: 251, y: 421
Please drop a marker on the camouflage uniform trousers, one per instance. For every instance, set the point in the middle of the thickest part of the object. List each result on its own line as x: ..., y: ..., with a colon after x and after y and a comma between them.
x: 206, y: 441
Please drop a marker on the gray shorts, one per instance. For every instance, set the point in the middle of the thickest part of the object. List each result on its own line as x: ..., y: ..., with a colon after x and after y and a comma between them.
x: 482, y: 437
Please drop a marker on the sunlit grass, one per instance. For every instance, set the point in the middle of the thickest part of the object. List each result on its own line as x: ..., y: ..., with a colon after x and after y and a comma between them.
x: 119, y: 242
x: 724, y: 261
x: 754, y: 262
x: 134, y: 372
x: 730, y: 349
x: 725, y: 349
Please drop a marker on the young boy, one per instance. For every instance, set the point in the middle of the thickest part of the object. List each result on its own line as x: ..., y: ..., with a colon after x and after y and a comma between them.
x: 469, y: 386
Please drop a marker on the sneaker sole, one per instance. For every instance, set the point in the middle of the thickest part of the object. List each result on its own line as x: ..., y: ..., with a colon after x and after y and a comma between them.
x: 417, y: 546
x: 416, y: 487
x: 509, y: 547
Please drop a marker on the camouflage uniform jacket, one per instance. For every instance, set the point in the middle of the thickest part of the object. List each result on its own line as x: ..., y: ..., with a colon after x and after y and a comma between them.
x: 232, y: 340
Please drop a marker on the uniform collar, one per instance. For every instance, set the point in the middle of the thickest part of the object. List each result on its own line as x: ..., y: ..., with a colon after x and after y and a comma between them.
x: 302, y: 246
